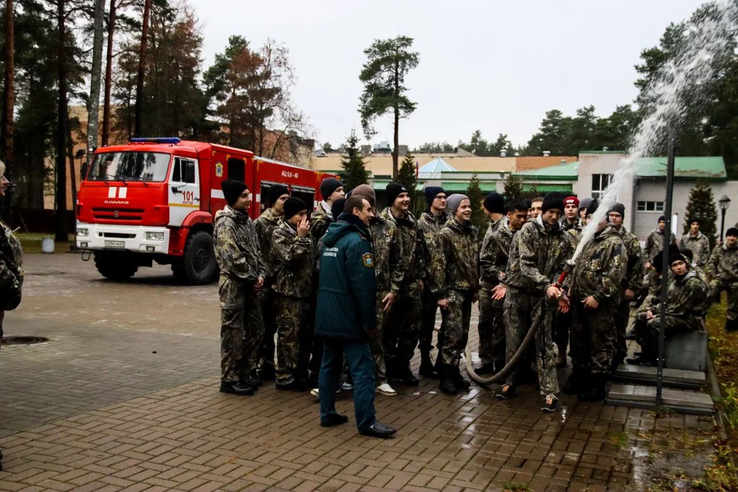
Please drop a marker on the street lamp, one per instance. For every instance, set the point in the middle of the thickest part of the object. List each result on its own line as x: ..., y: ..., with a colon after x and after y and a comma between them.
x: 723, y: 203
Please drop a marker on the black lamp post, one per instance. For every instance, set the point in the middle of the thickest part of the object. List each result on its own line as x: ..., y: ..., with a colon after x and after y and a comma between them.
x: 723, y: 203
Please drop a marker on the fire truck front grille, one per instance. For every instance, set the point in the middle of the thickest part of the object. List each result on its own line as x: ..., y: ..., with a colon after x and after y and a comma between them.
x: 118, y: 213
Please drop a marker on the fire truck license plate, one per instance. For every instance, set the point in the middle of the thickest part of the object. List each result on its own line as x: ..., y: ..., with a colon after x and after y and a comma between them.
x: 115, y: 244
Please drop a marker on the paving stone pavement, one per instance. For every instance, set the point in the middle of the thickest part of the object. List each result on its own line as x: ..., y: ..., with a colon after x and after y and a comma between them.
x: 96, y: 409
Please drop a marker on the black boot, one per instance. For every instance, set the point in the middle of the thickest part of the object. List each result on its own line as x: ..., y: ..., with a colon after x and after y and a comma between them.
x: 266, y: 373
x: 577, y: 382
x: 597, y: 391
x: 644, y: 358
x: 426, y: 366
x: 447, y: 384
x: 238, y: 388
x: 458, y: 379
x: 405, y: 375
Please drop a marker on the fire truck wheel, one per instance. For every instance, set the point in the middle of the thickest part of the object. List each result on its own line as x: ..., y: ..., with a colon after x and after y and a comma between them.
x: 198, y: 263
x: 115, y: 266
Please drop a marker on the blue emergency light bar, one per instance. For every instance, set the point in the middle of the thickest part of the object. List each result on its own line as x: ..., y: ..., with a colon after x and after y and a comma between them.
x: 160, y: 140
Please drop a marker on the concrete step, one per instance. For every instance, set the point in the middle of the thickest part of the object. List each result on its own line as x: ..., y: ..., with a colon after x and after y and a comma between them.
x: 673, y: 378
x: 679, y: 400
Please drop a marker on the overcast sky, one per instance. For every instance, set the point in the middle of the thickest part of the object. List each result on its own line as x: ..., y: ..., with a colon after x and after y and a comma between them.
x: 497, y: 66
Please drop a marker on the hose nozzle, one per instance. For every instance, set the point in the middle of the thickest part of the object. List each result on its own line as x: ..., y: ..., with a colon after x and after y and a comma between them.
x: 567, y: 270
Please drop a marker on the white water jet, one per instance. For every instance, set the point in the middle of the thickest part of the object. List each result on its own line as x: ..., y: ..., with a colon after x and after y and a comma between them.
x: 707, y: 43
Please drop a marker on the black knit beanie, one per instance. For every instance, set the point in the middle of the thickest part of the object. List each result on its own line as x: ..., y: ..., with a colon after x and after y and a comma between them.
x: 662, y: 217
x: 328, y: 186
x: 275, y: 192
x: 495, y: 203
x: 232, y: 189
x: 593, y: 207
x: 731, y: 232
x: 618, y: 208
x: 677, y: 256
x: 393, y: 191
x: 431, y: 192
x: 552, y: 201
x: 293, y: 206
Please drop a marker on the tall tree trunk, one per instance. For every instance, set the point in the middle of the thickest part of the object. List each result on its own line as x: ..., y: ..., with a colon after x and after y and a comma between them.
x: 61, y: 133
x: 6, y: 139
x: 396, y: 150
x: 93, y: 110
x: 141, y: 65
x: 72, y: 172
x: 108, y: 77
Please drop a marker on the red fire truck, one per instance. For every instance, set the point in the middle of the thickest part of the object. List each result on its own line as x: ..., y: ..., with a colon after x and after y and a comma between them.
x: 155, y: 199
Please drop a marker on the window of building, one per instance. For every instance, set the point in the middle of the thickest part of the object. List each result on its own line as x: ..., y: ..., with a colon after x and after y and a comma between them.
x: 600, y: 182
x: 650, y: 206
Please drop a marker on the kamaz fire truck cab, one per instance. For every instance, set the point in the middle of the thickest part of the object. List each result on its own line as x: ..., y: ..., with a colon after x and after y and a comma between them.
x: 155, y: 199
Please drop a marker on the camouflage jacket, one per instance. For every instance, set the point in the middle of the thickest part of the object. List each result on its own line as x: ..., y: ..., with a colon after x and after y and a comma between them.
x: 537, y: 257
x: 655, y: 244
x: 723, y: 264
x: 494, y: 254
x: 576, y: 226
x: 431, y: 226
x: 685, y: 296
x: 294, y: 261
x: 413, y: 246
x: 699, y: 245
x: 634, y: 271
x: 11, y: 269
x: 460, y: 259
x: 389, y: 268
x: 320, y: 219
x: 265, y: 225
x: 600, y: 268
x: 237, y: 245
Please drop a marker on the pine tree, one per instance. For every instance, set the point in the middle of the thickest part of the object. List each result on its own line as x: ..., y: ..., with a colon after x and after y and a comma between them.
x: 701, y: 206
x: 354, y: 170
x: 406, y: 176
x: 513, y: 188
x: 476, y: 197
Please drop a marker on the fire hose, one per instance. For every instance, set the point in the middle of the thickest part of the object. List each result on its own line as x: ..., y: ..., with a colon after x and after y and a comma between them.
x: 519, y: 354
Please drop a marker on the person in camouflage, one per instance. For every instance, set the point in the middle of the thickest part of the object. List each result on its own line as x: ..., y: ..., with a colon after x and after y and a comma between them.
x: 389, y: 271
x: 571, y: 220
x: 595, y: 291
x: 537, y: 258
x: 403, y: 329
x: 697, y: 243
x: 331, y: 190
x: 294, y: 261
x: 655, y: 242
x: 535, y: 207
x: 493, y: 259
x: 494, y: 209
x: 685, y: 299
x: 265, y: 224
x: 431, y: 222
x: 456, y: 289
x: 241, y: 277
x: 11, y: 267
x: 632, y: 282
x: 722, y: 270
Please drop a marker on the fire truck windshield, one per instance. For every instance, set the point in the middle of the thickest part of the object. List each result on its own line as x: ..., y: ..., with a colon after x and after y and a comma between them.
x: 129, y: 166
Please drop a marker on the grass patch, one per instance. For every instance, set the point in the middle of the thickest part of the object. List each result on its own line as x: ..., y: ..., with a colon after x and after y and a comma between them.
x: 31, y: 242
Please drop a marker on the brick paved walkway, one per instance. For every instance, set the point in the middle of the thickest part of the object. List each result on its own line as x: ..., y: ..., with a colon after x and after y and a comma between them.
x: 96, y: 409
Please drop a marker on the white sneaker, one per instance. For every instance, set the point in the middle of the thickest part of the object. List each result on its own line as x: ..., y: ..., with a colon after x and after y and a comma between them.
x: 314, y: 392
x: 386, y: 390
x: 346, y: 386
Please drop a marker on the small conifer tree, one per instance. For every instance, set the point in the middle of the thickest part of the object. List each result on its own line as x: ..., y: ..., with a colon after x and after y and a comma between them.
x: 701, y: 206
x: 354, y: 169
x: 476, y: 197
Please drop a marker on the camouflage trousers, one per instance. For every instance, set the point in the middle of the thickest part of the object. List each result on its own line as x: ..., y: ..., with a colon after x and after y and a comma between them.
x: 293, y: 330
x: 491, y: 329
x: 717, y: 287
x: 521, y: 309
x: 266, y: 352
x: 593, y: 336
x: 241, y: 329
x: 647, y: 331
x: 428, y: 324
x: 454, y: 327
x: 403, y: 326
x: 621, y: 324
x: 376, y: 340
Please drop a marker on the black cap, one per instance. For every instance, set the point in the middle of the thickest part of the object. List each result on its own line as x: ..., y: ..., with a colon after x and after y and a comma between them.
x: 618, y: 208
x: 328, y: 186
x: 293, y: 206
x: 393, y: 191
x: 275, y: 192
x: 677, y: 256
x: 732, y: 232
x: 494, y: 203
x: 552, y: 201
x: 593, y: 207
x: 232, y: 189
x: 431, y: 192
x: 662, y: 217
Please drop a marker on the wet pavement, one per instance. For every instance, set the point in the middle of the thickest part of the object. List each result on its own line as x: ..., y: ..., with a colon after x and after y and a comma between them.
x: 124, y: 396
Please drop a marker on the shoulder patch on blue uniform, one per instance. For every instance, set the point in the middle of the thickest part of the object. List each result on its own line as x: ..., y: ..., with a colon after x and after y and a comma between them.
x: 367, y: 260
